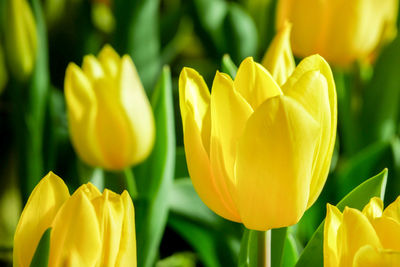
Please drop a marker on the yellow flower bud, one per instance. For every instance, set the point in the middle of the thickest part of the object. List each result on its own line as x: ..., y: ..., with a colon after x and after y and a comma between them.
x: 111, y: 122
x: 367, y: 238
x: 257, y: 152
x: 20, y: 38
x: 341, y: 31
x: 88, y: 228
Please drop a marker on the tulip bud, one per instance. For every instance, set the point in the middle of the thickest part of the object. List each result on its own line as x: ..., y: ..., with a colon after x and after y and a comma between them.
x: 20, y: 38
x: 87, y: 228
x: 340, y: 31
x: 111, y: 122
x: 367, y: 238
x: 257, y: 152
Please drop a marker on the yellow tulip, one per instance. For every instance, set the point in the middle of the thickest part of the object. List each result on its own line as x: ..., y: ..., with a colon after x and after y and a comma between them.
x: 88, y: 228
x: 111, y: 122
x: 367, y: 238
x: 20, y: 38
x: 340, y: 31
x: 257, y: 152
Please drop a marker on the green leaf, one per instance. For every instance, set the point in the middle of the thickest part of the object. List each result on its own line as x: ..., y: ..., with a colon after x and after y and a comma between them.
x: 41, y: 256
x: 278, y: 240
x: 312, y: 254
x: 215, y: 247
x: 290, y: 253
x: 228, y: 66
x: 382, y: 96
x: 137, y: 33
x: 155, y: 176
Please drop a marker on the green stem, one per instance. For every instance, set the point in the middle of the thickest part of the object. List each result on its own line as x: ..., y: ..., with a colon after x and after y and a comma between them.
x: 264, y: 249
x: 131, y: 183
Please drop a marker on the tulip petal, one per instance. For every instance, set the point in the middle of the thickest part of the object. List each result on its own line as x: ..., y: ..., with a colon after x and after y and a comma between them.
x: 373, y: 257
x: 110, y: 61
x: 255, y: 83
x: 349, y: 240
x: 229, y: 114
x: 312, y: 85
x: 393, y: 210
x: 110, y: 213
x: 111, y: 122
x: 77, y: 229
x: 37, y: 216
x: 332, y: 223
x: 373, y: 209
x: 273, y: 166
x: 92, y: 68
x: 194, y: 95
x: 200, y: 172
x: 388, y: 231
x: 279, y: 60
x: 82, y: 109
x: 127, y: 247
x: 138, y: 110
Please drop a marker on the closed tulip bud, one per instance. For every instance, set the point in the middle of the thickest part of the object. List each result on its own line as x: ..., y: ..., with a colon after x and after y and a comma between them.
x: 20, y: 38
x: 111, y: 122
x: 87, y: 228
x: 367, y: 238
x: 259, y: 153
x: 340, y: 31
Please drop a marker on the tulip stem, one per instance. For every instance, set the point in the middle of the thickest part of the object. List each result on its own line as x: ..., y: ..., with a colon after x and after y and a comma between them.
x: 264, y: 249
x: 131, y: 183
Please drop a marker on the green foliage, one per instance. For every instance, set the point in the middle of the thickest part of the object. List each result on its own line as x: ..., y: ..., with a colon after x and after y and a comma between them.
x: 41, y: 256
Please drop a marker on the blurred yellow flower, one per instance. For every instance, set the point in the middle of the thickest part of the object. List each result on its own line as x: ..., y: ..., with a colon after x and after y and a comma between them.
x: 257, y: 152
x: 88, y: 228
x: 111, y: 122
x: 340, y: 31
x: 367, y: 238
x: 20, y: 38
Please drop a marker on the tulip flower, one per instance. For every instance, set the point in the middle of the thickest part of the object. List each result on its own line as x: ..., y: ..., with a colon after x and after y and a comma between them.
x: 367, y: 238
x: 20, y: 38
x: 257, y: 152
x: 87, y: 228
x: 111, y: 122
x: 340, y: 31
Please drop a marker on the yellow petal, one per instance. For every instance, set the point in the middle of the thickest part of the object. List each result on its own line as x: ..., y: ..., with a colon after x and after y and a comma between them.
x: 110, y: 213
x: 127, y: 247
x: 110, y: 61
x: 90, y: 191
x: 279, y: 59
x: 75, y: 229
x: 138, y: 109
x: 373, y: 209
x: 82, y: 110
x: 200, y: 172
x: 388, y: 231
x: 309, y: 20
x: 194, y: 95
x: 393, y: 210
x: 312, y: 85
x: 113, y: 130
x: 332, y: 223
x: 92, y: 68
x: 273, y: 166
x: 373, y: 257
x: 229, y: 114
x: 255, y: 83
x: 355, y: 232
x: 38, y: 215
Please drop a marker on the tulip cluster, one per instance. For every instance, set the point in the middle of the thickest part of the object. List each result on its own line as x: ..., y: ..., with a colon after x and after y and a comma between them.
x: 87, y: 228
x: 367, y: 238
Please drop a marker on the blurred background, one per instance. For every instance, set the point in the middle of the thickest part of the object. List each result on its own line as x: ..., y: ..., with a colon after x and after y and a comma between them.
x: 174, y: 227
